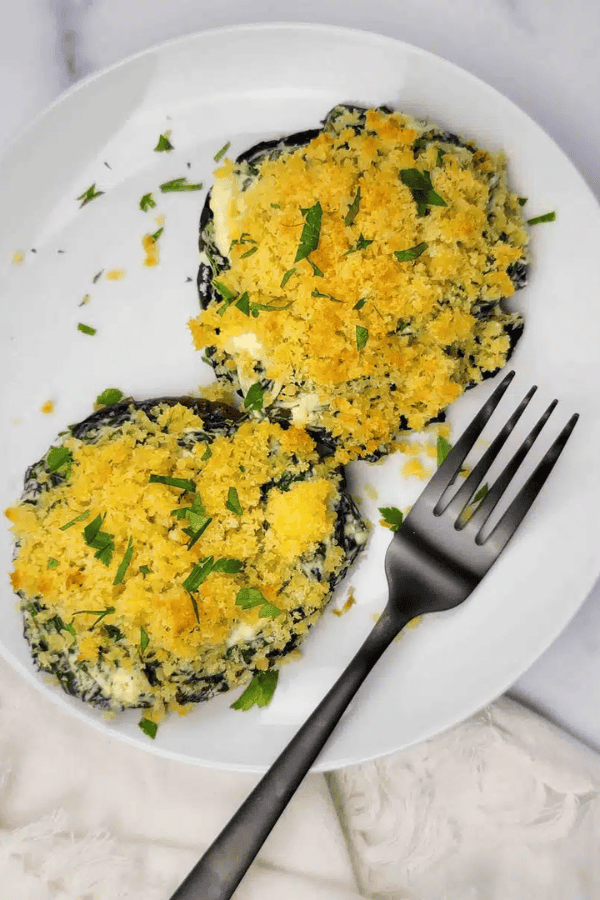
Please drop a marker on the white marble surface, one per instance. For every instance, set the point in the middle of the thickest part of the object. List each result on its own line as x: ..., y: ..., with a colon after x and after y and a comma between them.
x: 543, y: 56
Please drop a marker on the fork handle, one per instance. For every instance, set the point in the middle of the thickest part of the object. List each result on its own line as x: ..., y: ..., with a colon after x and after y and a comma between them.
x: 218, y: 873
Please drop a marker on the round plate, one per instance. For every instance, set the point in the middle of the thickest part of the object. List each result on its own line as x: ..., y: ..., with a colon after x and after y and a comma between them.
x: 243, y: 85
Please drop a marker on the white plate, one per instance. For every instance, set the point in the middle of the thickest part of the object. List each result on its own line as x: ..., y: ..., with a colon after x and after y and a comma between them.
x: 242, y: 85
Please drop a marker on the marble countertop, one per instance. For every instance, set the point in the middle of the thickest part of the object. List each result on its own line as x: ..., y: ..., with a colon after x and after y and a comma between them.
x: 542, y: 56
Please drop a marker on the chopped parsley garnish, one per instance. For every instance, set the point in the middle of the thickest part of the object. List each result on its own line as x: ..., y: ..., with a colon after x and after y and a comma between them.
x: 207, y: 453
x: 179, y: 184
x: 233, y: 502
x: 522, y: 201
x: 59, y: 457
x: 411, y: 253
x: 148, y: 727
x: 221, y: 153
x: 101, y: 613
x: 199, y: 573
x: 440, y: 156
x: 147, y: 202
x: 248, y: 598
x: 287, y: 277
x: 184, y: 483
x: 196, y: 535
x: 113, y: 632
x: 362, y: 335
x: 316, y: 293
x: 309, y: 239
x: 164, y: 144
x: 144, y: 639
x: 547, y: 217
x: 316, y: 270
x: 229, y: 566
x: 481, y: 493
x: 360, y: 303
x: 89, y: 195
x: 124, y: 565
x: 145, y: 570
x: 361, y: 244
x: 102, y: 542
x: 392, y: 517
x: 443, y: 449
x: 254, y: 399
x: 259, y: 692
x: 109, y: 396
x: 352, y: 209
x: 157, y: 234
x: 227, y: 294
x: 86, y: 329
x: 249, y: 252
x: 84, y: 515
x: 52, y: 563
x: 421, y: 189
x: 243, y: 304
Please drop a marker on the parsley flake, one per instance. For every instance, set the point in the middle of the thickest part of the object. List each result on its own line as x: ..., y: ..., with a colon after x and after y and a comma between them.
x: 199, y: 573
x: 148, y: 727
x: 86, y: 329
x: 360, y: 303
x: 233, y: 502
x: 228, y: 566
x: 147, y: 202
x: 207, y: 453
x: 443, y: 449
x: 164, y: 145
x: 157, y: 234
x: 316, y: 270
x: 547, y: 217
x: 89, y: 195
x: 254, y: 399
x: 362, y: 335
x: 84, y: 515
x: 481, y: 493
x: 243, y: 304
x: 100, y: 541
x: 361, y: 244
x: 522, y: 201
x: 411, y: 253
x: 109, y: 396
x: 57, y: 458
x: 101, y: 613
x: 249, y: 252
x: 145, y: 570
x: 287, y: 277
x: 352, y: 209
x: 421, y: 189
x: 259, y: 692
x: 184, y: 483
x: 144, y: 639
x: 248, y: 598
x: 179, y: 184
x: 392, y: 517
x: 309, y: 239
x: 52, y: 563
x: 124, y: 565
x: 316, y: 293
x: 221, y: 153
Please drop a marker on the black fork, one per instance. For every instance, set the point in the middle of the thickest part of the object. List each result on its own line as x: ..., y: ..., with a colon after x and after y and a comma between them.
x: 433, y: 563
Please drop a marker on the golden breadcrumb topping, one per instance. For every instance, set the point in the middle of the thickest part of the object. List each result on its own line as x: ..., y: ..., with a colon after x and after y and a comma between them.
x: 359, y: 337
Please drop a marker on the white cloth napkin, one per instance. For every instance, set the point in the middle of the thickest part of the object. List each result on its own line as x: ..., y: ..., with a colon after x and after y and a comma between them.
x: 502, y: 806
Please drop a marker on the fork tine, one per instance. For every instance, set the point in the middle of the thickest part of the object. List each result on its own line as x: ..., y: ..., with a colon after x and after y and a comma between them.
x: 488, y: 504
x: 512, y: 518
x: 457, y: 505
x: 447, y: 472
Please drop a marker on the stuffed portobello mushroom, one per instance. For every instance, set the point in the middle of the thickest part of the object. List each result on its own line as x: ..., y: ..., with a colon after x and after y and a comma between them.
x: 356, y: 274
x: 172, y: 549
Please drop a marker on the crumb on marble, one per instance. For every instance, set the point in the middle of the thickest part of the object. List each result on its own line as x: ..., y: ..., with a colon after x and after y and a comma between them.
x: 115, y: 274
x: 351, y: 600
x: 18, y: 257
x: 47, y: 407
